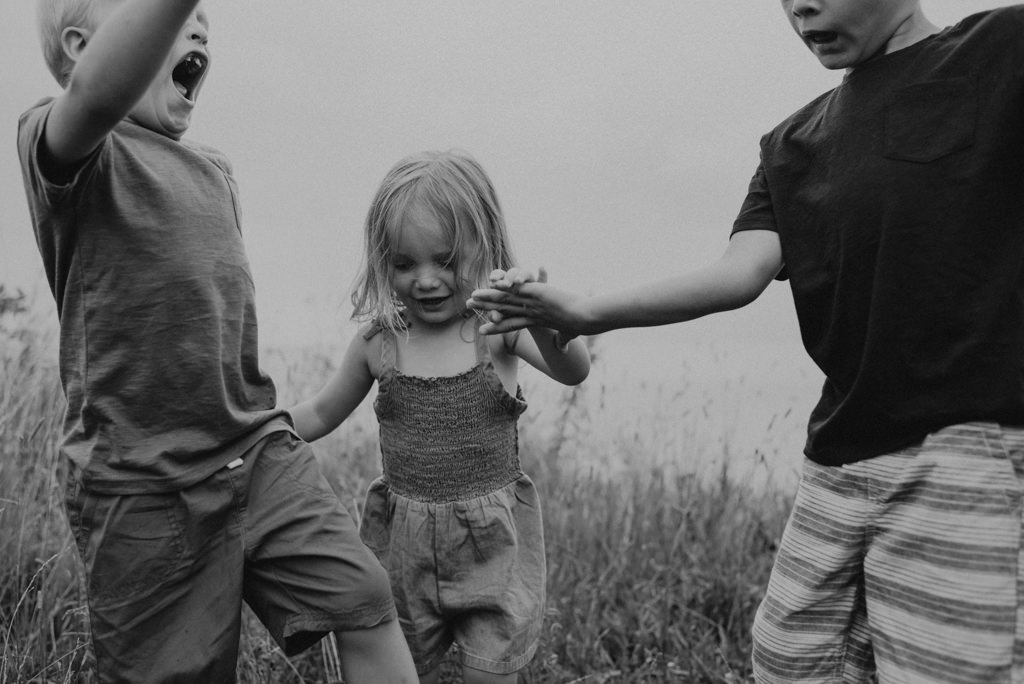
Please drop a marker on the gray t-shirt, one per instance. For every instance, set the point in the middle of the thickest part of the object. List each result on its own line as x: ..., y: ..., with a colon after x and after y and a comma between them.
x: 158, y: 347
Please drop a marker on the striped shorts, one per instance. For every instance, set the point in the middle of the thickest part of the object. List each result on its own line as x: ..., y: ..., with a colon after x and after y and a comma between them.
x: 906, y: 566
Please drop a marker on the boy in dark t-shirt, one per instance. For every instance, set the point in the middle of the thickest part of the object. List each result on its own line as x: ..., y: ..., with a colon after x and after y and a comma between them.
x: 187, y: 489
x: 894, y: 205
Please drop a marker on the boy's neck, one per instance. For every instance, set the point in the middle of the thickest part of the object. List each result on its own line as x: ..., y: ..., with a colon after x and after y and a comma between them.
x: 913, y: 30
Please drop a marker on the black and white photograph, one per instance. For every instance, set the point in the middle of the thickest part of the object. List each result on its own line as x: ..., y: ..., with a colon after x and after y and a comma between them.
x: 492, y: 342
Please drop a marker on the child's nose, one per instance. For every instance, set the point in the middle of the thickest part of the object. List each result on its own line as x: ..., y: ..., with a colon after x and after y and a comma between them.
x: 804, y: 8
x: 196, y: 31
x: 427, y: 279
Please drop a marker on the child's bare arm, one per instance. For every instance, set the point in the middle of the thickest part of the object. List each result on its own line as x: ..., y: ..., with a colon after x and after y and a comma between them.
x: 115, y: 65
x: 561, y: 357
x: 337, y: 399
x: 750, y: 262
x: 568, y: 362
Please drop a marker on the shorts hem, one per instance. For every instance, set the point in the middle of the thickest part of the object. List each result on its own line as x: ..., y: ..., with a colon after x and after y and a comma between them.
x: 498, y: 667
x: 424, y: 667
x: 303, y: 631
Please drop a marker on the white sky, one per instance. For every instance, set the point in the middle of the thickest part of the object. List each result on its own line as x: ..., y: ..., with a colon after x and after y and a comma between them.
x: 620, y: 136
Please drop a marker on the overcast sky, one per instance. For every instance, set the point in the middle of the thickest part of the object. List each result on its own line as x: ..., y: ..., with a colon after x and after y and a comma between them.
x: 620, y: 136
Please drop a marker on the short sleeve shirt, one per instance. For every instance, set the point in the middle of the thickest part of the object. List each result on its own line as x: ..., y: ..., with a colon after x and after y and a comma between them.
x: 898, y: 199
x: 158, y: 345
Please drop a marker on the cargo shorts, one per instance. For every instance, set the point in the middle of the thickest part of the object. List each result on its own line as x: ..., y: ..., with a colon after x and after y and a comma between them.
x: 167, y: 573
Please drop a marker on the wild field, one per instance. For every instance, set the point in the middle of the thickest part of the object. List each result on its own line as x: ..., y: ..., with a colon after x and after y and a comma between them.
x: 655, y: 570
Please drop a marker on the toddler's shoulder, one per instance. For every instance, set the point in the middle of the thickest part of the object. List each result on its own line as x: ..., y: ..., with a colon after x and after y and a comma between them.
x: 368, y: 346
x: 370, y: 329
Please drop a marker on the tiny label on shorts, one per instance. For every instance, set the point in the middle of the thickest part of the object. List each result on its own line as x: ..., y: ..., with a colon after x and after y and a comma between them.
x: 234, y: 464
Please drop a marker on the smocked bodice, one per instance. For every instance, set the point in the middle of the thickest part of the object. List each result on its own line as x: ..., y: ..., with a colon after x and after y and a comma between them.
x: 447, y: 438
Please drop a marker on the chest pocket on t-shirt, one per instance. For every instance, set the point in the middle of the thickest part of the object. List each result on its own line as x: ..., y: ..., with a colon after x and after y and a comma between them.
x: 930, y: 120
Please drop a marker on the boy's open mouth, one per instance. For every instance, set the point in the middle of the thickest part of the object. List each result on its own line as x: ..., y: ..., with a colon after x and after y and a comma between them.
x: 189, y: 73
x: 820, y: 37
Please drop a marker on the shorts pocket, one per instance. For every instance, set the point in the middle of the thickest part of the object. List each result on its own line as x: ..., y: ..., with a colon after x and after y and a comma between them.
x: 375, y: 524
x: 128, y: 543
x: 927, y: 121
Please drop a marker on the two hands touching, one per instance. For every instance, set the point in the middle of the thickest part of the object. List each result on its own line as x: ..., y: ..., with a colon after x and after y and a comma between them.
x: 519, y: 298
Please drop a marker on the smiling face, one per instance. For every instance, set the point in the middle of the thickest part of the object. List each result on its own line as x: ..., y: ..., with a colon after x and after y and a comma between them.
x: 845, y: 33
x: 423, y: 271
x: 166, y: 106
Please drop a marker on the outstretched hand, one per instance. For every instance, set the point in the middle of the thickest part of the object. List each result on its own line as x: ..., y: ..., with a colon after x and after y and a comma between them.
x: 518, y: 299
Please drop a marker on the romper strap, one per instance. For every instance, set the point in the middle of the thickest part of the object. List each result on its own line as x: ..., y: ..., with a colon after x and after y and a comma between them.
x: 483, y: 351
x: 388, y: 352
x: 387, y: 344
x: 374, y: 327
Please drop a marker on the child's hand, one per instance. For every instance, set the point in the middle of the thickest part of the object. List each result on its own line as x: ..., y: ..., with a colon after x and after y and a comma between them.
x: 511, y: 279
x: 517, y: 300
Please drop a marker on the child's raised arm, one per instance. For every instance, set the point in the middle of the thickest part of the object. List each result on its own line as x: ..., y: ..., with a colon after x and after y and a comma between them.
x: 114, y: 65
x: 568, y: 362
x: 337, y: 399
x: 559, y: 356
x: 750, y: 262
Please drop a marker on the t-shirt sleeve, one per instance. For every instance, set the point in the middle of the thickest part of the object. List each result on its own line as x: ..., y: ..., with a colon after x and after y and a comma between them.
x: 30, y: 133
x: 31, y: 127
x: 757, y: 213
x: 1017, y: 12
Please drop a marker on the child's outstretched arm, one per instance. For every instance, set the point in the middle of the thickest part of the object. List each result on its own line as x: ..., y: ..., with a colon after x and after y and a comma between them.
x: 567, y: 362
x: 559, y: 356
x: 750, y: 262
x: 315, y: 417
x: 114, y: 65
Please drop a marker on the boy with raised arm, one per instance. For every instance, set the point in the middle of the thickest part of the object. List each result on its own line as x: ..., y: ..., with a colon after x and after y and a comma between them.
x: 187, y: 490
x: 894, y: 205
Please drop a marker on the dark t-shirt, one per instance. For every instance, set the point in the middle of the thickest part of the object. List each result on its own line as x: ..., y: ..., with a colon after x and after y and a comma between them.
x: 158, y: 350
x: 898, y: 198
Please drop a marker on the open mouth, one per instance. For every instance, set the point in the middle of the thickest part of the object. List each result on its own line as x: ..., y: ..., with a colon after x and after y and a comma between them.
x: 189, y: 74
x: 431, y: 302
x: 820, y: 37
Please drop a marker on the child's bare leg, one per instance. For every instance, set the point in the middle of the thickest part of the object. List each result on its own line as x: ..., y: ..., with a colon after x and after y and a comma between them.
x: 472, y: 676
x: 376, y: 655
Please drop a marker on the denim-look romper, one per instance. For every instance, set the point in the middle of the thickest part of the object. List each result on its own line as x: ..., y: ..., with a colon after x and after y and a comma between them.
x: 454, y: 519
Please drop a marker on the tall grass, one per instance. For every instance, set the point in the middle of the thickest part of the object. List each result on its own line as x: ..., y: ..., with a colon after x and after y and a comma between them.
x: 654, y: 572
x: 44, y: 633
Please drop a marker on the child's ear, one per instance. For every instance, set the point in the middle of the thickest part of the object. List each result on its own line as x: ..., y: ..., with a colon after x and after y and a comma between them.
x: 73, y: 40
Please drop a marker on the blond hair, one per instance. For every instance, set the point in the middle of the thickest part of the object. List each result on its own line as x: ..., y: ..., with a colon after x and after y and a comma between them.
x: 53, y: 16
x: 454, y: 188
